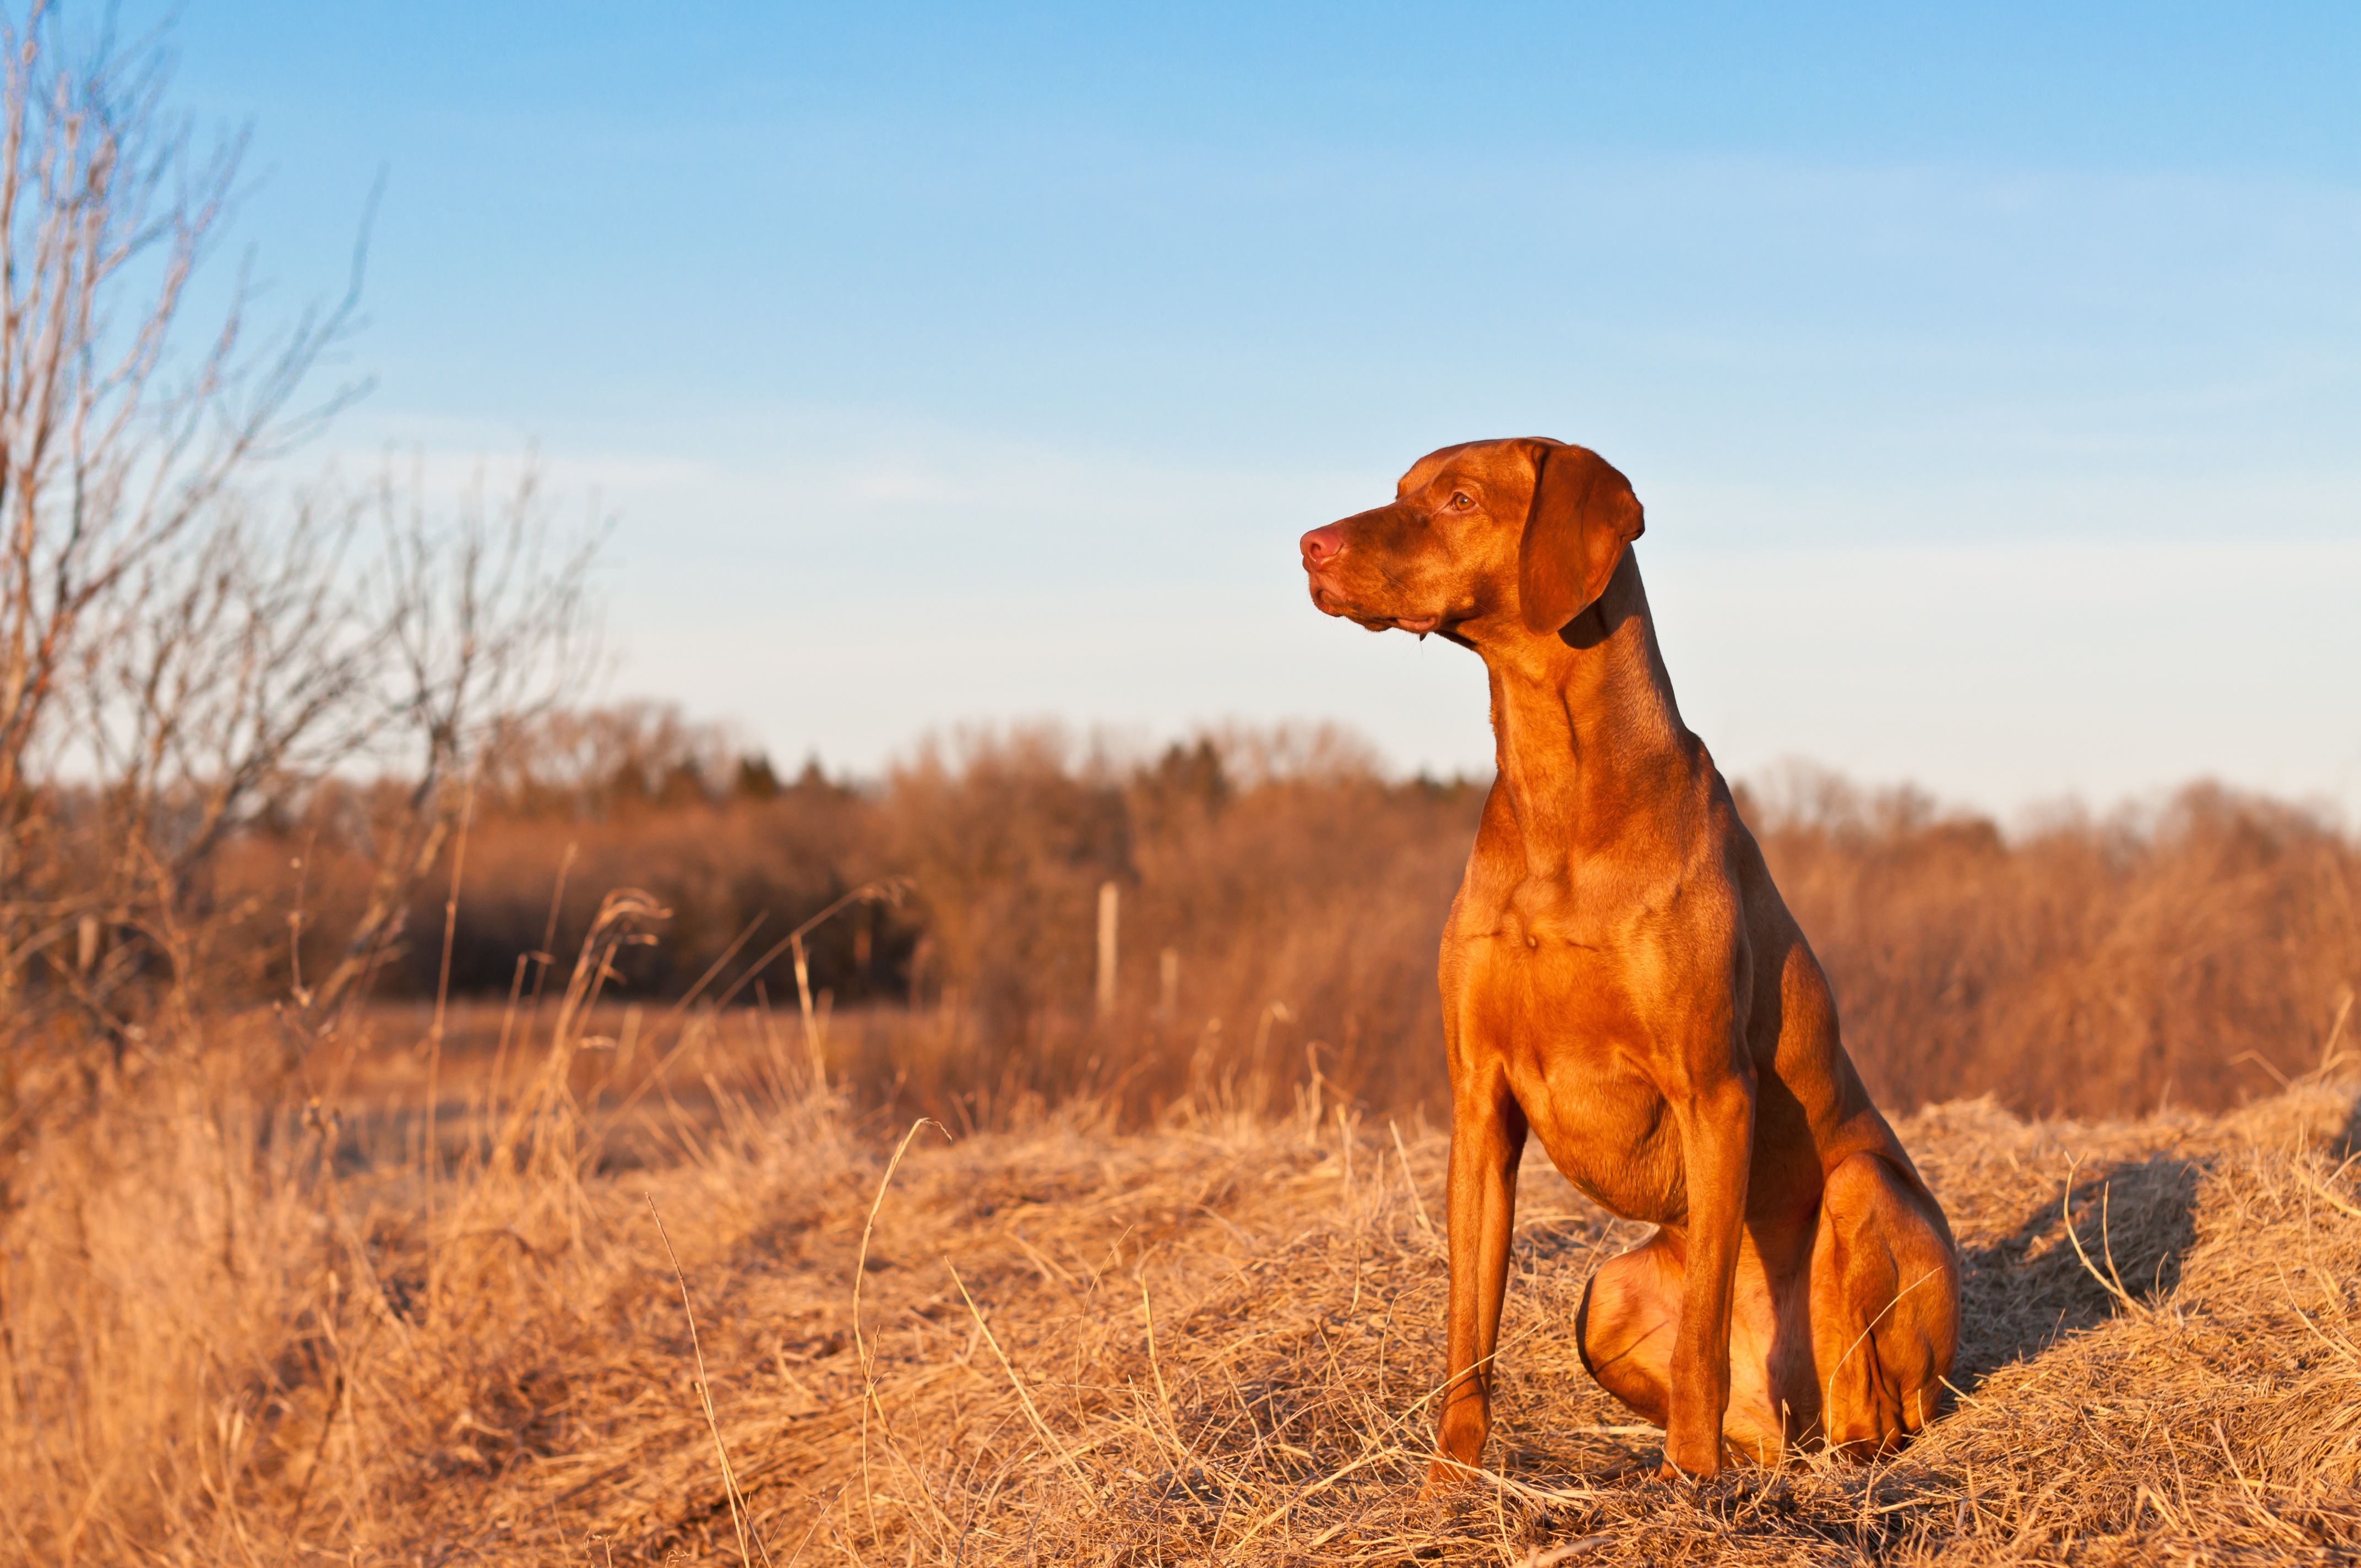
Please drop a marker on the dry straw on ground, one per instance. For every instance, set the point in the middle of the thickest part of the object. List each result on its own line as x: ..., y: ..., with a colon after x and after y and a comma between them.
x: 1210, y: 1341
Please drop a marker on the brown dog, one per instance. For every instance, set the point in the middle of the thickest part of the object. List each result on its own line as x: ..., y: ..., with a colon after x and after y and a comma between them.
x: 1621, y: 979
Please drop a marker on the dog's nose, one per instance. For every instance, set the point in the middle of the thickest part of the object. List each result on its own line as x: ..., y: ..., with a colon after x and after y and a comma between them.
x: 1322, y: 545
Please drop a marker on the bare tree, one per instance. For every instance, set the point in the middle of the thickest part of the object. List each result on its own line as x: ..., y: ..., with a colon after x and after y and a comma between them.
x: 234, y: 667
x: 120, y: 420
x: 480, y: 626
x: 180, y: 648
x: 379, y: 631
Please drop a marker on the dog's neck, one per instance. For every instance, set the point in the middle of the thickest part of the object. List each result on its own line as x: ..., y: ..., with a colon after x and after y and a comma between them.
x: 1585, y: 724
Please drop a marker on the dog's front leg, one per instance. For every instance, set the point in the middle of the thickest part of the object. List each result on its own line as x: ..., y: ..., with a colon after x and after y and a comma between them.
x: 1487, y: 1139
x: 1717, y: 1126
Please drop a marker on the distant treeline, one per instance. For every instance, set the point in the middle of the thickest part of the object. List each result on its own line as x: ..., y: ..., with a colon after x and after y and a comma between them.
x: 2195, y: 953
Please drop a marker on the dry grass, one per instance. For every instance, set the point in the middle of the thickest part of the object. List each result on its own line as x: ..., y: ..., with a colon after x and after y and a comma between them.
x: 1063, y: 1343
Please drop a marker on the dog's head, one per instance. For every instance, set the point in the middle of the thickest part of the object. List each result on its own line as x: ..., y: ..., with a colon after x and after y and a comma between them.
x: 1507, y: 534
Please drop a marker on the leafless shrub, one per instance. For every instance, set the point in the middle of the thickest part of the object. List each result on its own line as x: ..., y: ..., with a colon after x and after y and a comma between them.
x: 186, y: 654
x: 2193, y: 954
x: 1273, y: 912
x: 481, y: 624
x: 124, y: 423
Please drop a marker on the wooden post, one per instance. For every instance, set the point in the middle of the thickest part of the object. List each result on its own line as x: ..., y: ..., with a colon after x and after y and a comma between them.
x: 1108, y: 894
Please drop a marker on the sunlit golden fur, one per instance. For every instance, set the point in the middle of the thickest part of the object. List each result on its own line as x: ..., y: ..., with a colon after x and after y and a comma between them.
x: 1621, y: 981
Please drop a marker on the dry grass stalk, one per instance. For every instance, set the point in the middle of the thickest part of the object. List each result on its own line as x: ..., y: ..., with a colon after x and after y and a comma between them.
x: 736, y: 1499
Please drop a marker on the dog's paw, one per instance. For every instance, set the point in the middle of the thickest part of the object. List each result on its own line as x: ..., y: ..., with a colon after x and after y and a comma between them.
x: 1444, y: 1479
x: 1690, y: 1462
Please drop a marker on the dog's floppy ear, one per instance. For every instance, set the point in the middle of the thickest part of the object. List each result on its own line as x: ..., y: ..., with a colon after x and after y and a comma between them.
x: 1582, y: 517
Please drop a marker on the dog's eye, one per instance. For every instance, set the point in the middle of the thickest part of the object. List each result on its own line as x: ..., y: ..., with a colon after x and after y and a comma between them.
x: 1461, y: 500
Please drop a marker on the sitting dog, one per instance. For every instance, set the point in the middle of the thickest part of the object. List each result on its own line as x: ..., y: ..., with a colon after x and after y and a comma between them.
x: 1621, y: 981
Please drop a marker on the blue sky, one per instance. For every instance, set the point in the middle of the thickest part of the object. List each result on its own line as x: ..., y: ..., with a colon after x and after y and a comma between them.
x: 1993, y: 376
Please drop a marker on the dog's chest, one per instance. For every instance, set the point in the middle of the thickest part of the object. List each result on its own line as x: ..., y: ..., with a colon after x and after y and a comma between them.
x: 1610, y: 1135
x: 1572, y: 998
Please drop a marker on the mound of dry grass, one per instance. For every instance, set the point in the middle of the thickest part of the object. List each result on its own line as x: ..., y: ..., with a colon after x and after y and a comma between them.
x: 1214, y: 1341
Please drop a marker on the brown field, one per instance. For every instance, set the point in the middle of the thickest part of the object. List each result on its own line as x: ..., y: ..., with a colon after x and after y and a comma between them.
x: 245, y: 1333
x: 1161, y: 1286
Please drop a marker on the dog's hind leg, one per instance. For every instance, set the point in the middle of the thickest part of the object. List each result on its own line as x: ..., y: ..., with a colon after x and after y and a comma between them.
x: 1629, y: 1317
x: 1630, y: 1314
x: 1885, y: 1307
